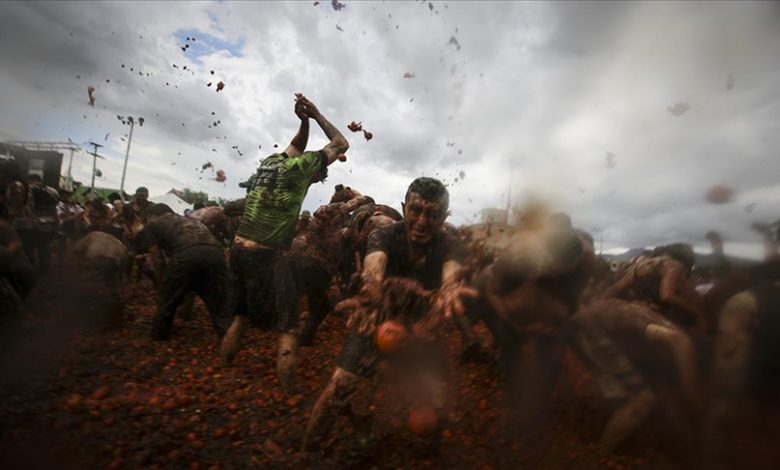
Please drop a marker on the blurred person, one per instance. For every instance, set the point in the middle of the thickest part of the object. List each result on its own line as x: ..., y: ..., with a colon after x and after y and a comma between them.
x: 100, y: 259
x: 44, y: 212
x: 634, y: 339
x: 17, y: 268
x: 528, y: 296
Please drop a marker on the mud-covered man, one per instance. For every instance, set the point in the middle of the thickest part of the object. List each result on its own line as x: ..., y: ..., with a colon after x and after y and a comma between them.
x: 196, y: 263
x: 634, y: 340
x: 416, y: 249
x: 100, y: 260
x: 528, y: 296
x: 263, y: 286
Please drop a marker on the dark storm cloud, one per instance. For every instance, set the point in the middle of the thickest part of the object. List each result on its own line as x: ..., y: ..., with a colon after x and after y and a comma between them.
x: 530, y: 94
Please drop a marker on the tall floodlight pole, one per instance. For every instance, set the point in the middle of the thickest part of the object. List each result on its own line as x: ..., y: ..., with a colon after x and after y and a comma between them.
x: 127, y: 152
x: 94, y: 163
x: 69, y: 179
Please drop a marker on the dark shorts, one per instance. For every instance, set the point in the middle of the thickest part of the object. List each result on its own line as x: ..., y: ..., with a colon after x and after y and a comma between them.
x: 263, y: 288
x: 360, y: 356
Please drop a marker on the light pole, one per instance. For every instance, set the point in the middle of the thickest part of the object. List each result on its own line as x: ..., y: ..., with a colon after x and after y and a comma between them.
x: 94, y: 163
x: 132, y: 121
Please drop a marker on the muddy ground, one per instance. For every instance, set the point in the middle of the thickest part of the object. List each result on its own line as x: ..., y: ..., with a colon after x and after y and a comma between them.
x: 75, y: 398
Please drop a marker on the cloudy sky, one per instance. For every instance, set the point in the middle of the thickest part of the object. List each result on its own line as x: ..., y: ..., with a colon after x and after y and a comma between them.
x: 623, y: 115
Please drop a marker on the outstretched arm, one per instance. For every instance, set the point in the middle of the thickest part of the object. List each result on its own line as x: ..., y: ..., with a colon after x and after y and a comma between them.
x: 453, y: 291
x: 298, y: 144
x: 338, y: 143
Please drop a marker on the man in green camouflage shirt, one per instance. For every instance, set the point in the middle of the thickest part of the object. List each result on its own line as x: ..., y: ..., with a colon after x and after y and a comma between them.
x: 262, y: 283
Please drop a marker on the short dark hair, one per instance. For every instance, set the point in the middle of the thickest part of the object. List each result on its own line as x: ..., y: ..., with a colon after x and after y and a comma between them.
x: 142, y: 189
x: 682, y: 252
x: 430, y: 189
x: 159, y: 209
x: 113, y: 197
x: 559, y: 220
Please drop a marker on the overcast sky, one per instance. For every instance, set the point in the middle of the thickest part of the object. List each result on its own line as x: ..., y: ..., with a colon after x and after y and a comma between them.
x: 622, y: 114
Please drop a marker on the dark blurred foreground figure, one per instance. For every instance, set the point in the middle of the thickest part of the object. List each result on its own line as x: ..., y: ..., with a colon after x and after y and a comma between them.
x: 746, y: 362
x: 415, y: 260
x: 634, y: 339
x: 196, y: 263
x: 38, y: 240
x: 527, y: 298
x: 11, y: 257
x: 263, y: 287
x: 101, y: 257
x: 17, y: 268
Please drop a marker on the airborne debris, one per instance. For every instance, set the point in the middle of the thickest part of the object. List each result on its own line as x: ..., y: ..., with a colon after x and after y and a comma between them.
x: 221, y: 177
x: 367, y: 135
x: 90, y: 92
x: 462, y: 174
x: 220, y: 86
x: 316, y: 3
x: 749, y: 208
x: 720, y: 194
x: 337, y: 6
x: 209, y: 84
x: 453, y: 40
x: 678, y: 109
x: 355, y: 126
x: 339, y: 28
x: 409, y: 75
x: 730, y: 82
x: 611, y: 160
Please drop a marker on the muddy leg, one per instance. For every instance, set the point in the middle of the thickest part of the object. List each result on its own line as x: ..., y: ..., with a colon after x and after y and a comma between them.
x: 330, y: 404
x: 286, y: 360
x: 231, y: 342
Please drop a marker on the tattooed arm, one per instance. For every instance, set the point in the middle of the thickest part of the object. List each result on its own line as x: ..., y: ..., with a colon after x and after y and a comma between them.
x: 298, y: 143
x: 338, y: 143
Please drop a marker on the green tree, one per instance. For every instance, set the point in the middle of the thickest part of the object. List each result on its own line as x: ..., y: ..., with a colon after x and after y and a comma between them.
x: 191, y: 197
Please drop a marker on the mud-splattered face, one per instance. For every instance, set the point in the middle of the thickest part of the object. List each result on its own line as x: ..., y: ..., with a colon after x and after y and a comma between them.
x: 423, y: 218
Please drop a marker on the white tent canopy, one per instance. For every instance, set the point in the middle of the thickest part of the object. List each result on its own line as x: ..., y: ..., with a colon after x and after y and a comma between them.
x: 173, y: 201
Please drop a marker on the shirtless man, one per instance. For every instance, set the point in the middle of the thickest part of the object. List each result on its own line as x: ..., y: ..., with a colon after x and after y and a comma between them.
x: 528, y: 296
x: 639, y: 353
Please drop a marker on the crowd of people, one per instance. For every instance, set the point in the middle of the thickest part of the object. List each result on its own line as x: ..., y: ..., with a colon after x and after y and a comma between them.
x: 651, y: 340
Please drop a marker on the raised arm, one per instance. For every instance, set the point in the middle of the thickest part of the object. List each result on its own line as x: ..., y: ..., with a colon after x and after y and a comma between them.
x: 338, y: 144
x: 298, y: 144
